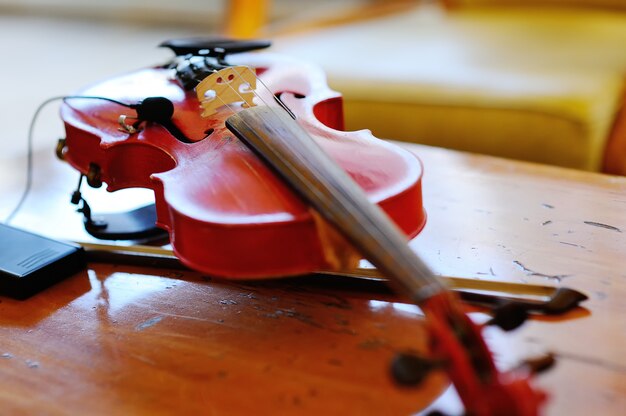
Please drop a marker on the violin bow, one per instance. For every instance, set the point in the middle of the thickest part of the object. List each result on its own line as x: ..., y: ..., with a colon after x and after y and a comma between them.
x: 456, y: 342
x: 532, y: 298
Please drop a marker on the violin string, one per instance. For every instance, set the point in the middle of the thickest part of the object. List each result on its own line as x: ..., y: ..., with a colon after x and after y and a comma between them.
x: 442, y: 307
x: 29, y: 145
x: 269, y: 145
x: 273, y: 109
x: 239, y: 76
x: 256, y: 94
x: 425, y: 276
x: 268, y: 90
x: 276, y: 99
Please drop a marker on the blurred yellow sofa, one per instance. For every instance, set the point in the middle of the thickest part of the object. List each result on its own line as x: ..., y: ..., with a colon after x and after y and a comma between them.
x: 532, y: 82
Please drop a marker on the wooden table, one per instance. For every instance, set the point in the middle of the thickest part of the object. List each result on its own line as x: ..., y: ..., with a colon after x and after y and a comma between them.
x: 128, y: 340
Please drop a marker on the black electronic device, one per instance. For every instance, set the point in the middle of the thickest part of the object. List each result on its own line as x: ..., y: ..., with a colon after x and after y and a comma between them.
x: 30, y: 263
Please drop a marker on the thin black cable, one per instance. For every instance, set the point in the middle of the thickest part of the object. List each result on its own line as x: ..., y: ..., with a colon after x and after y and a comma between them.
x: 29, y: 151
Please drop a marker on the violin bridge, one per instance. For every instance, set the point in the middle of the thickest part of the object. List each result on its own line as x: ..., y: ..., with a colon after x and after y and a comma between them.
x: 226, y: 86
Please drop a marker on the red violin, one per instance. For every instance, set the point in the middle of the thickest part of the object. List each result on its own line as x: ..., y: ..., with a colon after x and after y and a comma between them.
x: 253, y: 177
x: 226, y: 212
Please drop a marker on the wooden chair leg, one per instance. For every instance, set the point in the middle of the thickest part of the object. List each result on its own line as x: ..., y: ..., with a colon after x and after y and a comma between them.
x: 246, y: 17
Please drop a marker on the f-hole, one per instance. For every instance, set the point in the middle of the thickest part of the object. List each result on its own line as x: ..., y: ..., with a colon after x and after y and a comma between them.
x: 207, y: 133
x: 295, y: 94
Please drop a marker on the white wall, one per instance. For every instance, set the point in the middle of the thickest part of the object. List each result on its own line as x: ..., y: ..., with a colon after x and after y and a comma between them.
x: 194, y: 12
x: 204, y: 13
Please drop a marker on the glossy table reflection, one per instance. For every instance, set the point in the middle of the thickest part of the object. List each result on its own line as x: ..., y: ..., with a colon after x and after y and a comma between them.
x: 128, y: 339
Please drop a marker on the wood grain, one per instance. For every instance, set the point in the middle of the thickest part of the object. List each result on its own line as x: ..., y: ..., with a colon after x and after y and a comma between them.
x: 138, y: 340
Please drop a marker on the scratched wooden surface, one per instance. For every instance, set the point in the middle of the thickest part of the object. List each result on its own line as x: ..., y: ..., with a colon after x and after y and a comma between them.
x: 139, y: 340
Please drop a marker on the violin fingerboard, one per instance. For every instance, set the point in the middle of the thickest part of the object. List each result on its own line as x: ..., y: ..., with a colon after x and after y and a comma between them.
x: 295, y: 156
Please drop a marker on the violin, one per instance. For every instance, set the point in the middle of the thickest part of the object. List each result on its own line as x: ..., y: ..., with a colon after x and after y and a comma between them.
x: 254, y: 177
x: 226, y: 212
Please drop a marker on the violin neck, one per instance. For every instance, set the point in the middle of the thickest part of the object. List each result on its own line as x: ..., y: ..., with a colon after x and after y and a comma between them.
x: 291, y: 152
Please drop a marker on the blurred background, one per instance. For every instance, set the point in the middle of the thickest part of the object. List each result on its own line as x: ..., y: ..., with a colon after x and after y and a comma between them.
x: 54, y: 47
x: 536, y: 80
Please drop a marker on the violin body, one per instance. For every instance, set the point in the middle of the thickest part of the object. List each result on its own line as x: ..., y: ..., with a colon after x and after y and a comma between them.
x: 226, y: 212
